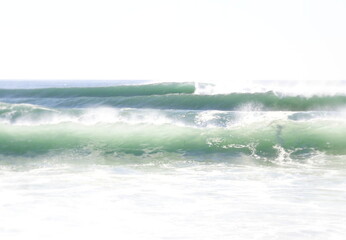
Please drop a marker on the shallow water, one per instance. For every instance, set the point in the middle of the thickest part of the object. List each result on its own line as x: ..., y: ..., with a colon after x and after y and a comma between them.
x: 185, y: 200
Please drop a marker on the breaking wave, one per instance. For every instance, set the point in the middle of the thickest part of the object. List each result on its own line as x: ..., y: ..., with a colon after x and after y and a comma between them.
x: 166, y: 118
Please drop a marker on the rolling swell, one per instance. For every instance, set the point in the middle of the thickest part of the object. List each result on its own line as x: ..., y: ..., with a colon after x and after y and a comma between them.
x: 168, y: 96
x: 234, y: 101
x: 124, y: 90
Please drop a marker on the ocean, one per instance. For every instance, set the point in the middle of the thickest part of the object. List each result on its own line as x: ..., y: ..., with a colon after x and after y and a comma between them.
x: 178, y: 160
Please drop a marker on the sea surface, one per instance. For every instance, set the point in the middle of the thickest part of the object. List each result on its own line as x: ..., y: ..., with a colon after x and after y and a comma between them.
x: 183, y: 160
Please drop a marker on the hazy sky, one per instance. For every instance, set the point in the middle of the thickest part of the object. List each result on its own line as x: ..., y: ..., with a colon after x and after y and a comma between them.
x: 215, y: 40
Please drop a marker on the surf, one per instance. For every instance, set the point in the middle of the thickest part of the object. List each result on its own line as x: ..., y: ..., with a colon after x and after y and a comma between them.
x: 170, y: 118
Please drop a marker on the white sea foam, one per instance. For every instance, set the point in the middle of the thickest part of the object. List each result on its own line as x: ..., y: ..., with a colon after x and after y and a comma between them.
x: 283, y: 88
x: 191, y: 201
x: 32, y: 115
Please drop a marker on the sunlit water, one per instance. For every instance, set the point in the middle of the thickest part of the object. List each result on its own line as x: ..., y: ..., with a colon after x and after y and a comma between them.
x: 107, y: 172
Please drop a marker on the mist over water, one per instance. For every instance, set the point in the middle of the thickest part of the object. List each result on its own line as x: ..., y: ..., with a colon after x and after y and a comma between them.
x: 172, y: 160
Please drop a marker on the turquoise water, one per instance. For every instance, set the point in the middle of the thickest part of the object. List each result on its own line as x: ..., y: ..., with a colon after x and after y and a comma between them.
x: 134, y: 160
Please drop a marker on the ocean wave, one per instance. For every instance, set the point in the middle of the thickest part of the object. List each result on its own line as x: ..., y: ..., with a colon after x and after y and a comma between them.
x: 110, y: 91
x: 31, y: 115
x: 236, y: 101
x: 256, y: 139
x: 170, y: 118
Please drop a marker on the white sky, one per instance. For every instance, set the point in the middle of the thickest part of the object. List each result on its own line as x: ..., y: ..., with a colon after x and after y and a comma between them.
x: 215, y: 40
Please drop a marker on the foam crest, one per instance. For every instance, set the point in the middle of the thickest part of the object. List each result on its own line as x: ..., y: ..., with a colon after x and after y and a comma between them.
x: 31, y: 115
x: 281, y: 88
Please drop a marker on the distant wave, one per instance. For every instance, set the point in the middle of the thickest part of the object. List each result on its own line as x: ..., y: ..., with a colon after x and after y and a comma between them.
x: 110, y: 91
x: 235, y: 101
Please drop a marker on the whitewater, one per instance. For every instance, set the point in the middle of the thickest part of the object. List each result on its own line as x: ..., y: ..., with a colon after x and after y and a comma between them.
x: 172, y: 160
